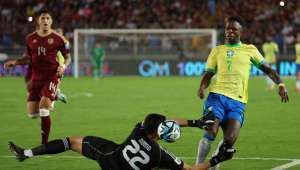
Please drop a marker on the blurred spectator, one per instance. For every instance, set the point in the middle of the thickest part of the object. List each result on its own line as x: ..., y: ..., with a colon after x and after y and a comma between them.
x: 289, y: 39
x: 287, y: 28
x: 69, y: 34
x: 3, y: 57
x: 113, y: 45
x: 5, y: 11
x: 195, y: 44
x: 38, y: 6
x: 188, y: 19
x: 84, y: 11
x: 59, y: 4
x: 123, y: 40
x: 116, y: 3
x: 153, y: 41
x: 130, y: 24
x: 211, y: 4
x: 297, y: 16
x: 6, y: 40
x: 279, y: 40
x: 110, y: 14
x: 166, y: 43
x: 29, y: 11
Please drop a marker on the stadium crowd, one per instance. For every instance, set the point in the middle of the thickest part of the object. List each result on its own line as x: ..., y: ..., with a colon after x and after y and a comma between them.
x: 261, y: 17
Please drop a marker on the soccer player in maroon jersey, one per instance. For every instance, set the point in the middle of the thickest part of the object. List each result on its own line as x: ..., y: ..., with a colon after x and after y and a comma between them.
x: 41, y: 48
x: 59, y: 95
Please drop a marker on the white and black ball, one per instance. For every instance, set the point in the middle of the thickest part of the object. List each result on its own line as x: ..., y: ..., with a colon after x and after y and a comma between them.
x: 169, y: 131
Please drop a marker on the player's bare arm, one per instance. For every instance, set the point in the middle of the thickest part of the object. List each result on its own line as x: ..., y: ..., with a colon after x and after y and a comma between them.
x: 23, y: 61
x: 60, y: 69
x: 275, y: 77
x: 205, y: 82
x: 201, y: 123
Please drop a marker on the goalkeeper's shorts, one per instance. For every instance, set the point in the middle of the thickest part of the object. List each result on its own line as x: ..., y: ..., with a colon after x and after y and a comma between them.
x: 101, y: 150
x: 98, y: 64
x: 224, y: 107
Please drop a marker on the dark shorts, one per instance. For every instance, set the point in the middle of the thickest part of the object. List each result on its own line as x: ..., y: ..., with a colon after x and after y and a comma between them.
x: 101, y: 150
x: 47, y: 88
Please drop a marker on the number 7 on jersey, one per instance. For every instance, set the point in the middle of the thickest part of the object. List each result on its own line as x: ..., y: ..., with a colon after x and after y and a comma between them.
x: 229, y: 64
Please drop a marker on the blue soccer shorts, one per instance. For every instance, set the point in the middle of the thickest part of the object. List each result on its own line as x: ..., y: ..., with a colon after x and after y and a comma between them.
x: 297, y: 67
x: 224, y: 107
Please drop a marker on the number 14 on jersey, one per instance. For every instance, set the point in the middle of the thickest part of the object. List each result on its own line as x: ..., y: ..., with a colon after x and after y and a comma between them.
x: 41, y: 49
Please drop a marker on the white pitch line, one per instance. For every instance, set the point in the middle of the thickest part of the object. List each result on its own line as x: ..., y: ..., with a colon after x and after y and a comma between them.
x: 295, y: 162
x: 81, y: 94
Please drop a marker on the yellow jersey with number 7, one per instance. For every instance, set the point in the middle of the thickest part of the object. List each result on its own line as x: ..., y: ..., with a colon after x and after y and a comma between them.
x: 232, y: 63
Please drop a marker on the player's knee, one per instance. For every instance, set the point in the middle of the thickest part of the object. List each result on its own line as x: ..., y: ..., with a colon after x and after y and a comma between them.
x: 230, y: 139
x: 213, y: 132
x: 42, y: 107
x: 73, y: 140
x: 34, y: 116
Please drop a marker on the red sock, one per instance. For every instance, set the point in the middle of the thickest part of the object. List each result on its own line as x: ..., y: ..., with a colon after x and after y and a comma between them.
x: 45, y: 125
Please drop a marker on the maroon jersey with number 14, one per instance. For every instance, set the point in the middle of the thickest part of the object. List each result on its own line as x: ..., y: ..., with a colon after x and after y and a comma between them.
x: 43, y: 52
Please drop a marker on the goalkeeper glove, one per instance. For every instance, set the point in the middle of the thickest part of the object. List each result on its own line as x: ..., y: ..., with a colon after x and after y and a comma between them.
x: 202, y: 123
x: 223, y: 155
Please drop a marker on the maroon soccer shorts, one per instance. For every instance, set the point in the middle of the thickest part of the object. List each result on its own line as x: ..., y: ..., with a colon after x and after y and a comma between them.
x: 47, y: 88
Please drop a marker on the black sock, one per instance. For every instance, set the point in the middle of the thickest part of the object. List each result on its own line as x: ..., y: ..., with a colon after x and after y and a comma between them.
x: 52, y: 147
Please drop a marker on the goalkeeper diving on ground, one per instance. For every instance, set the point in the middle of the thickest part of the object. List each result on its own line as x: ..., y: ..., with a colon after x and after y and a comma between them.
x: 139, y: 151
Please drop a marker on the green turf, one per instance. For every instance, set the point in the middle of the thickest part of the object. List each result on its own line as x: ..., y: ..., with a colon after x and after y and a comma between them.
x: 270, y: 130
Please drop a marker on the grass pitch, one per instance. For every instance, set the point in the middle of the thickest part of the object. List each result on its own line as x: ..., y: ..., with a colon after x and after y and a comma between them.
x: 111, y: 107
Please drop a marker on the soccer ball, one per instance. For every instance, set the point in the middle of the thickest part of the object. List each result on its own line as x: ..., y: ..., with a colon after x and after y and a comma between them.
x: 169, y: 131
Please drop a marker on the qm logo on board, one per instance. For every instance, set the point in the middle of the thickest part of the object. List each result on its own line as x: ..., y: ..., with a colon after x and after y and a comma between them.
x: 149, y: 68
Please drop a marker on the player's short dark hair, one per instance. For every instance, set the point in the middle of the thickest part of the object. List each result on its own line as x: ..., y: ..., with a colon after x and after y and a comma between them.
x: 152, y: 122
x: 237, y: 19
x: 42, y: 11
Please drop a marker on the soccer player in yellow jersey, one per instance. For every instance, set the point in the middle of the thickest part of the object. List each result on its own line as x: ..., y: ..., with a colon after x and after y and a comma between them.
x: 270, y: 50
x: 227, y: 98
x: 297, y: 57
x: 61, y: 61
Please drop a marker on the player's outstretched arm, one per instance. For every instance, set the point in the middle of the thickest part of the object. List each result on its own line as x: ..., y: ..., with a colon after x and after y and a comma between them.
x: 23, y: 61
x: 223, y: 155
x: 202, y: 166
x: 275, y: 77
x: 200, y: 123
x: 60, y: 69
x: 205, y: 82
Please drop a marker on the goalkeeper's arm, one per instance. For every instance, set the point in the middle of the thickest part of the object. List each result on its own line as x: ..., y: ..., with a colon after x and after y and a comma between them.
x: 200, y: 123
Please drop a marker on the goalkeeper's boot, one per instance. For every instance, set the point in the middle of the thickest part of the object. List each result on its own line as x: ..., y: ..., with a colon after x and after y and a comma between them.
x: 17, y: 151
x: 216, y: 167
x: 61, y: 97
